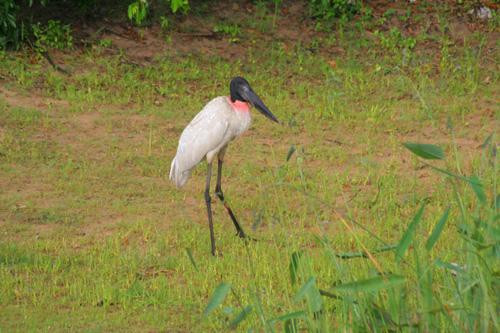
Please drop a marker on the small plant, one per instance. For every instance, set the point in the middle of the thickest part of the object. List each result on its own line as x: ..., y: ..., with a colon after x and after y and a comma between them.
x: 389, y: 13
x: 327, y: 9
x: 315, y: 44
x: 106, y: 43
x: 445, y: 63
x: 164, y: 23
x: 394, y: 40
x: 231, y: 30
x: 262, y: 20
x: 54, y: 35
x: 138, y: 11
x: 398, y: 45
x: 406, y: 16
x: 366, y: 14
x: 277, y: 3
x: 182, y: 5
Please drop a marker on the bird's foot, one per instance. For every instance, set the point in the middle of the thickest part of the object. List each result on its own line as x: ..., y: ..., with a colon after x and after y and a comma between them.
x: 220, y: 195
x: 244, y: 236
x: 217, y: 254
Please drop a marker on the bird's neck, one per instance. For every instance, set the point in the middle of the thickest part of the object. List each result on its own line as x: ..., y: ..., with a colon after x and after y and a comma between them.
x: 239, y: 105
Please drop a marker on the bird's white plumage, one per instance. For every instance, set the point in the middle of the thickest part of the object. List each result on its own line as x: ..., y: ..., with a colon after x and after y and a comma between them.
x: 206, y: 135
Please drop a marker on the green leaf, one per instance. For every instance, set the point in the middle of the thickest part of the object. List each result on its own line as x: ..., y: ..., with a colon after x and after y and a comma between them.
x: 314, y: 299
x: 175, y: 5
x: 407, y: 238
x: 291, y: 315
x: 240, y: 317
x: 425, y: 151
x: 217, y: 298
x: 436, y: 232
x: 312, y: 294
x: 294, y: 266
x: 371, y: 285
x: 477, y: 187
x: 305, y: 289
x: 132, y: 9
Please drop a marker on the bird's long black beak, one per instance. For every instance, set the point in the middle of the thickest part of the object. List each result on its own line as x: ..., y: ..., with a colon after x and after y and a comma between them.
x: 258, y: 104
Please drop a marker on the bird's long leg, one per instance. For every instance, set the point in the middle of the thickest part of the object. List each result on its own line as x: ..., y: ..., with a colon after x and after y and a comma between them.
x: 209, y: 207
x: 220, y: 195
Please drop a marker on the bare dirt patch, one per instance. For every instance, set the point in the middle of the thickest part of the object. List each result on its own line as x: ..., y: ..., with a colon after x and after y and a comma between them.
x: 33, y: 101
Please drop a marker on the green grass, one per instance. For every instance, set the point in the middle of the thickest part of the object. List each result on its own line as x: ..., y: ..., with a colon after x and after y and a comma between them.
x: 93, y: 237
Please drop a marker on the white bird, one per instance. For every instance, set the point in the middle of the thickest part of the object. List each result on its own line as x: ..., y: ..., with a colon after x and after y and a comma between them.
x: 222, y: 120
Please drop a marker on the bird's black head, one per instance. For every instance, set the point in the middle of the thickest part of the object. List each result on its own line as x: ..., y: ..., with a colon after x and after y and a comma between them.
x: 241, y: 91
x: 237, y: 87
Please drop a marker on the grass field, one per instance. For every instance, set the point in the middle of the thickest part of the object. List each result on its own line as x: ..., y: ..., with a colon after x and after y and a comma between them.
x: 94, y: 238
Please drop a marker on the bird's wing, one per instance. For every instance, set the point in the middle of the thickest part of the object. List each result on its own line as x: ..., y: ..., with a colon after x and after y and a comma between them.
x: 203, y: 134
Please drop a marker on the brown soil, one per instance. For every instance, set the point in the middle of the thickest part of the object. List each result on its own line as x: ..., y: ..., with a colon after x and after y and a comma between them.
x: 33, y: 101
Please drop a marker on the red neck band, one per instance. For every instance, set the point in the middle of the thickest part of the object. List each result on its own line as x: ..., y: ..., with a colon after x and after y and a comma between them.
x: 239, y: 105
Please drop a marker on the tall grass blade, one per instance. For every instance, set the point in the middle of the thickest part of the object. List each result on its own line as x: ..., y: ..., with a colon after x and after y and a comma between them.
x: 217, y: 298
x: 294, y: 266
x: 382, y: 317
x: 351, y: 255
x: 477, y: 187
x: 449, y: 123
x: 290, y: 152
x: 487, y: 141
x: 240, y: 317
x: 291, y: 326
x: 436, y: 232
x: 191, y: 258
x: 424, y: 283
x: 425, y: 151
x: 452, y: 267
x: 446, y: 172
x: 473, y: 181
x: 371, y: 285
x: 408, y: 236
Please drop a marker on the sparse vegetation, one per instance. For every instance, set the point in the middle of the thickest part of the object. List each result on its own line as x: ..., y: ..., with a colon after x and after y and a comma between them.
x: 328, y: 9
x: 375, y: 203
x: 231, y: 30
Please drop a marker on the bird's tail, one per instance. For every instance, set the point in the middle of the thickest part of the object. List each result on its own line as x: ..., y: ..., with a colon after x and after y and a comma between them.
x: 177, y: 176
